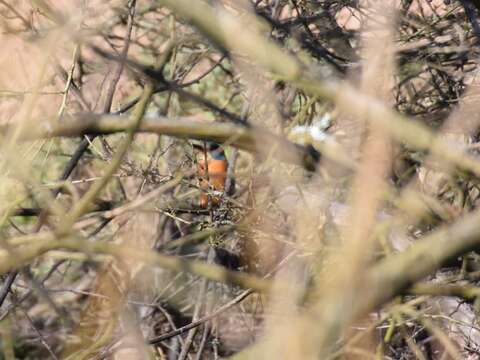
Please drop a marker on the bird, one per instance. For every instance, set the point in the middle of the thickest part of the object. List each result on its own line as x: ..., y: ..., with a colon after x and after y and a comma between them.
x: 212, y: 172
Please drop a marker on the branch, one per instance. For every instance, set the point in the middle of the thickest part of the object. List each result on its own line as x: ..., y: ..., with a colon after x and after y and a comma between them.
x: 396, y: 274
x: 42, y: 243
x: 471, y: 8
x: 251, y: 139
x: 199, y: 322
x: 234, y: 34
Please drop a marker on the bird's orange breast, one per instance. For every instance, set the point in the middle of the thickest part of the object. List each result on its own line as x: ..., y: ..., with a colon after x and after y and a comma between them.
x: 213, y: 180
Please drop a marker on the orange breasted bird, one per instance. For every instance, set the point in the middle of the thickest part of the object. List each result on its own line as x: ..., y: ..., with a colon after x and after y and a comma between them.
x: 212, y: 172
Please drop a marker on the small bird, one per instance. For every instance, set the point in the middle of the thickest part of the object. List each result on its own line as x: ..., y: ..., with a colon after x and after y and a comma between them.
x: 212, y: 172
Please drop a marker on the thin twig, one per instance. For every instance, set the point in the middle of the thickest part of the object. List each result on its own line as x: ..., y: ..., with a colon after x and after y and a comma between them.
x: 199, y: 322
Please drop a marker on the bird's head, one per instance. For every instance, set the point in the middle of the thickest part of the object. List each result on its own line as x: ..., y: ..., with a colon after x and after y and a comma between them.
x: 215, y: 151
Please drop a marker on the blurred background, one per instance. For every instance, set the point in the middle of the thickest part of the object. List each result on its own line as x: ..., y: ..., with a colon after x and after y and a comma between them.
x: 249, y: 179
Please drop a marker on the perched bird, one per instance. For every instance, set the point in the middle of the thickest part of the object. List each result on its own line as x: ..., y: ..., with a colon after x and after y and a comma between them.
x: 212, y: 172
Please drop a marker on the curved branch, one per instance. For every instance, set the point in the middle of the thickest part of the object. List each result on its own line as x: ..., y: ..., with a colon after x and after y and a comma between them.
x: 253, y: 139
